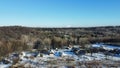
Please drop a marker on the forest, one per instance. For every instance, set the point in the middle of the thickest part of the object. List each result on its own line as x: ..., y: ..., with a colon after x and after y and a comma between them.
x: 19, y: 38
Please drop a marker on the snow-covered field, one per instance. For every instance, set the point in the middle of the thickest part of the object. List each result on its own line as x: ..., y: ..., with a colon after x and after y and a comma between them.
x: 60, y: 59
x: 5, y: 65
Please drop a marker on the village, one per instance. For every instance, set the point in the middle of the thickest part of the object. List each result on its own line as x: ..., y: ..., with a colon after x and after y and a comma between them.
x: 98, y: 55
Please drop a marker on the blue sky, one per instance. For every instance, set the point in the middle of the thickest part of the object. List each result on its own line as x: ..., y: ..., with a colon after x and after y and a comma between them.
x: 60, y: 13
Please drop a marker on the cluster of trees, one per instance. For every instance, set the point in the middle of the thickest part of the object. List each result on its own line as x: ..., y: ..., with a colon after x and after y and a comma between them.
x: 17, y: 38
x: 7, y: 47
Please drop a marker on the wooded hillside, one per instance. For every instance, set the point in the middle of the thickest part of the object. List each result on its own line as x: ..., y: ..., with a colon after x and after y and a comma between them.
x: 18, y: 38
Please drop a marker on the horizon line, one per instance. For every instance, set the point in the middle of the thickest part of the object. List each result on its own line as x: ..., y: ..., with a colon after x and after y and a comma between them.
x: 58, y: 27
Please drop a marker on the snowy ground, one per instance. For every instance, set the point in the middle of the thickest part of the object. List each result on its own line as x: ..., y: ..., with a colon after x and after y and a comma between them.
x: 65, y: 61
x: 5, y: 65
